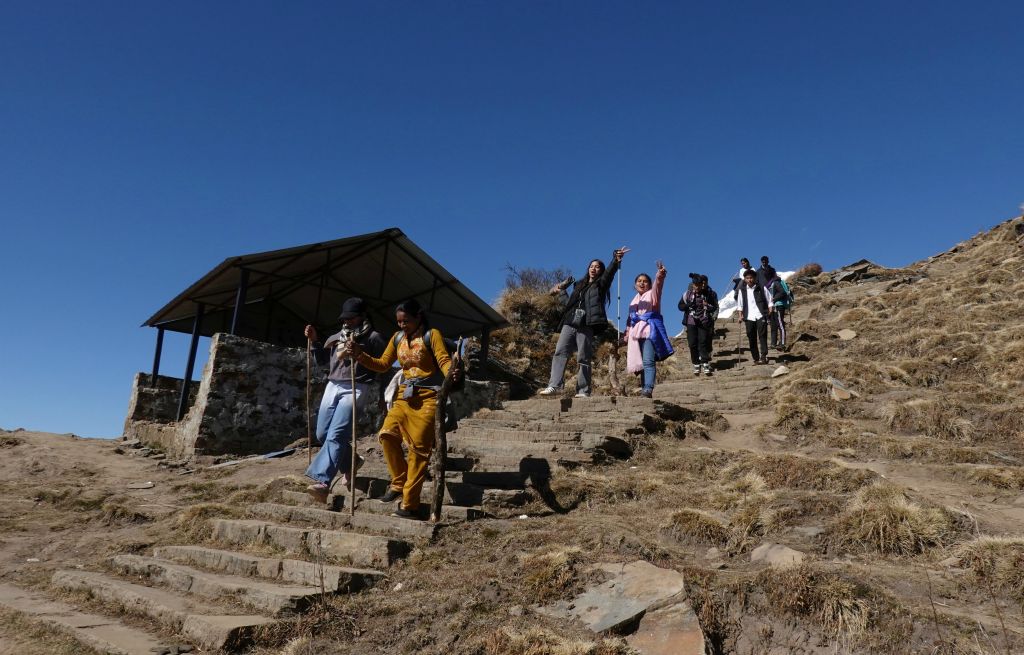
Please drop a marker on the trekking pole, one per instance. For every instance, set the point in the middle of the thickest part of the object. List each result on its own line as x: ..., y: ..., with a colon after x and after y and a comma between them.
x: 618, y: 299
x: 309, y: 426
x: 352, y: 471
x: 439, y: 461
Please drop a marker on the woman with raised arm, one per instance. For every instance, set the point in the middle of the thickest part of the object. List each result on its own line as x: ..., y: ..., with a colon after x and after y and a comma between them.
x: 647, y: 339
x: 583, y: 317
x: 421, y: 352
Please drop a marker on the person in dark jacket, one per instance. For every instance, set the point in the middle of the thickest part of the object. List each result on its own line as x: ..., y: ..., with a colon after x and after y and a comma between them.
x: 780, y: 302
x: 737, y: 282
x: 755, y: 310
x: 765, y: 273
x: 334, y: 419
x: 700, y: 308
x: 584, y: 316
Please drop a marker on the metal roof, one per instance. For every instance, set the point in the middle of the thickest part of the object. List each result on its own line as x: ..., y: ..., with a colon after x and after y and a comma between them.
x: 286, y: 289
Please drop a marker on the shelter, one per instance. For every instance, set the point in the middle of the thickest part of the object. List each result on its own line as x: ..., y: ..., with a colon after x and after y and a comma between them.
x: 271, y: 296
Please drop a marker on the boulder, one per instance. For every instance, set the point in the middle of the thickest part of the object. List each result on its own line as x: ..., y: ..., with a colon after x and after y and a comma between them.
x: 780, y: 371
x: 670, y: 630
x: 616, y: 606
x: 846, y: 334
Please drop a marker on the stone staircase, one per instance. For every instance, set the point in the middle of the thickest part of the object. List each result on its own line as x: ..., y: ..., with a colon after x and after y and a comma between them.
x: 227, y: 592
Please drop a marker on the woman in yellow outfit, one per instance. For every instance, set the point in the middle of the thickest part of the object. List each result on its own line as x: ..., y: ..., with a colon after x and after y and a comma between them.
x: 411, y: 417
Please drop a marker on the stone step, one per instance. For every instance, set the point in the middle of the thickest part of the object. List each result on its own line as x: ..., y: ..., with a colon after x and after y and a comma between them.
x: 102, y: 633
x: 305, y: 509
x: 532, y: 466
x: 351, y: 548
x: 335, y: 579
x: 372, y: 510
x: 271, y: 597
x: 206, y: 626
x: 586, y: 442
x: 551, y: 433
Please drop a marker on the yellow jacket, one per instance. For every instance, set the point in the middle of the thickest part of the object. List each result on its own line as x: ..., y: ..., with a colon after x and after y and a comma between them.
x: 412, y: 355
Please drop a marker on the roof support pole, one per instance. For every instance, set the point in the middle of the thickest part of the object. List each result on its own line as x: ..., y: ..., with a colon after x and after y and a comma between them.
x: 485, y: 344
x: 186, y: 381
x: 243, y: 287
x: 156, y: 356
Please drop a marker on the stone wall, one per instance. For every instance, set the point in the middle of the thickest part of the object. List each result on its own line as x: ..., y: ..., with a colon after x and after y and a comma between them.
x: 251, y: 399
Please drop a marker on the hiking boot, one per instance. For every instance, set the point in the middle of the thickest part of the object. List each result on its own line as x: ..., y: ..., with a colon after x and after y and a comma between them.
x: 706, y: 368
x: 696, y: 369
x: 344, y: 477
x: 547, y: 391
x: 390, y: 496
x: 403, y: 513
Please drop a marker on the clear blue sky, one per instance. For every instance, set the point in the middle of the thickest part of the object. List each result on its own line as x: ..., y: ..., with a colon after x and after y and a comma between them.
x: 141, y: 143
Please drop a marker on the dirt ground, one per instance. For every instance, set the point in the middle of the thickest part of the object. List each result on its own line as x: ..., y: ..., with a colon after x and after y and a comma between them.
x: 905, y: 500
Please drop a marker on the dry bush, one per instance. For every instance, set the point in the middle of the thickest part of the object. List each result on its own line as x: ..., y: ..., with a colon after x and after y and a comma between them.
x: 193, y: 522
x: 10, y: 441
x: 999, y: 560
x: 840, y: 607
x: 554, y: 573
x: 883, y: 519
x: 120, y: 511
x: 795, y: 472
x: 796, y: 414
x: 810, y: 269
x: 74, y: 498
x: 692, y: 524
x: 1000, y: 477
x: 938, y: 418
x: 537, y: 641
x: 266, y: 491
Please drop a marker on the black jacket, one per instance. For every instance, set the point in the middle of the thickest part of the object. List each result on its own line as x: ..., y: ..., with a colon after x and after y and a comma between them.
x: 688, y: 303
x: 760, y: 297
x: 592, y: 296
x: 764, y: 275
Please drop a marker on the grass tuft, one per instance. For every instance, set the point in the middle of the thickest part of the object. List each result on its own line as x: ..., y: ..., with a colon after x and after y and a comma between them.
x: 881, y: 518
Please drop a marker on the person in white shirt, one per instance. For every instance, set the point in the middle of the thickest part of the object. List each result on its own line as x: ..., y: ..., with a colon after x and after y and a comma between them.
x: 755, y: 305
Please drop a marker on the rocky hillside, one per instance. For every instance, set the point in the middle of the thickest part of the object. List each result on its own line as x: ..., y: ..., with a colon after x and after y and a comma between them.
x: 863, y: 494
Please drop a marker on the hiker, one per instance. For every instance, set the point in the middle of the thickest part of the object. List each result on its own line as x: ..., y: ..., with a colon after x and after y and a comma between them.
x: 782, y: 300
x: 700, y: 309
x: 737, y: 281
x: 421, y: 352
x: 647, y: 339
x: 334, y: 418
x: 765, y: 273
x: 583, y: 317
x: 755, y: 305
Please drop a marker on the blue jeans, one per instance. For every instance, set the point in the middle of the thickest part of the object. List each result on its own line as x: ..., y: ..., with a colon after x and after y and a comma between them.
x: 334, y: 430
x: 649, y: 359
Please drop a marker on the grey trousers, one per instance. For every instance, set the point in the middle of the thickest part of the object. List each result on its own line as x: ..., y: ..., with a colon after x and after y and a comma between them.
x: 582, y: 339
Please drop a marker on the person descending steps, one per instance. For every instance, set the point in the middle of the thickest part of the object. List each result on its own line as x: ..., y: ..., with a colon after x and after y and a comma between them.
x: 700, y: 309
x: 756, y: 308
x: 782, y: 301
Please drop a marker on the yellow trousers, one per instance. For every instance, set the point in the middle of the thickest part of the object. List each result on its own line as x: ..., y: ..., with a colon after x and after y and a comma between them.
x: 410, y: 421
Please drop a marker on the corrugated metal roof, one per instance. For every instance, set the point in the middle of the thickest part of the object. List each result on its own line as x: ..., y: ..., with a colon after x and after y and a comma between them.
x: 307, y: 284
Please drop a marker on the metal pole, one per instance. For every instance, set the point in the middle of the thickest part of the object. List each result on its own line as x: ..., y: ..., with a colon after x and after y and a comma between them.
x: 186, y: 381
x: 352, y: 471
x: 243, y: 288
x: 309, y: 420
x: 156, y: 356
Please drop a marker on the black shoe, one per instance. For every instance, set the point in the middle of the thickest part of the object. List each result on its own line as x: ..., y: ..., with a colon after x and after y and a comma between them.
x: 403, y: 513
x: 390, y: 496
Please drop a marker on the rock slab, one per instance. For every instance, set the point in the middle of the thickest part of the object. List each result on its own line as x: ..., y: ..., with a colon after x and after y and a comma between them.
x: 776, y: 555
x: 618, y: 604
x: 670, y: 630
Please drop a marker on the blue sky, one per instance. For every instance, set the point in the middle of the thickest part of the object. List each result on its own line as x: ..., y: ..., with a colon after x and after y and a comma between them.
x: 141, y: 143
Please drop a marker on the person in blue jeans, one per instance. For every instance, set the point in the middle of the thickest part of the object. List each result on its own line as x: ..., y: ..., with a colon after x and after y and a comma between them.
x: 334, y: 419
x: 647, y: 340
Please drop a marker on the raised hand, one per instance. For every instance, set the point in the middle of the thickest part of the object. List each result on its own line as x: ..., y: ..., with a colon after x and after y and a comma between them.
x: 620, y: 252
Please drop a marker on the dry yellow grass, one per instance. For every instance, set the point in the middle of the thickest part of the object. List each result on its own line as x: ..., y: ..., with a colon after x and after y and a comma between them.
x: 936, y: 417
x: 996, y: 560
x: 881, y: 518
x: 537, y: 641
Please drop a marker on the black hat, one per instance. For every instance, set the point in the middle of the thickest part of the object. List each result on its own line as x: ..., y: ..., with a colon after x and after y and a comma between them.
x: 353, y: 307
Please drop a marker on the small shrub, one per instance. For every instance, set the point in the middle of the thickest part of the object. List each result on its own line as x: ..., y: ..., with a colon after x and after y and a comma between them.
x: 1000, y: 560
x: 882, y: 518
x: 553, y: 574
x: 698, y: 525
x: 810, y: 269
x: 838, y: 605
x: 937, y: 418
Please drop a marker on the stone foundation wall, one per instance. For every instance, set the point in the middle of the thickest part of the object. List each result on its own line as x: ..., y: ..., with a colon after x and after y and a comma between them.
x: 251, y: 399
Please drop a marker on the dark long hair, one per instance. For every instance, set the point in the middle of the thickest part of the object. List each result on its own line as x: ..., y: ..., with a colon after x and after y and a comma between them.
x: 586, y: 280
x: 412, y: 307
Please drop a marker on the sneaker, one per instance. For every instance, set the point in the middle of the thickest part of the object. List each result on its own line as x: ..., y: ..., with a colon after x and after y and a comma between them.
x: 403, y: 513
x: 763, y: 360
x: 647, y: 393
x: 706, y: 368
x: 548, y: 391
x: 582, y: 394
x: 344, y: 477
x: 696, y: 369
x: 390, y: 496
x: 319, y: 491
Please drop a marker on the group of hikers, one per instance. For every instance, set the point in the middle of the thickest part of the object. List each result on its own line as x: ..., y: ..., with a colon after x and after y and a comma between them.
x: 357, y: 355
x: 762, y: 300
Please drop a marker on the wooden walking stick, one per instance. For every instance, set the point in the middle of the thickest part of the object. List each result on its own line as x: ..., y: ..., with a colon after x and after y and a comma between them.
x: 352, y: 471
x: 309, y: 422
x: 439, y: 463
